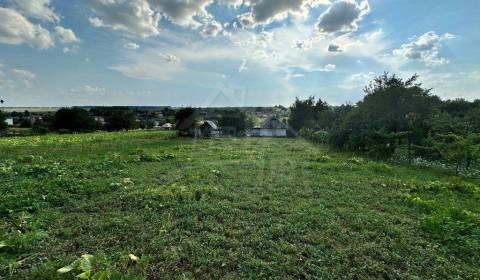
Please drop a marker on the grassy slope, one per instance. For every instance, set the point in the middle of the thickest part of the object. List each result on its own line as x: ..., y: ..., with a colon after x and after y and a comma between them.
x: 269, y: 208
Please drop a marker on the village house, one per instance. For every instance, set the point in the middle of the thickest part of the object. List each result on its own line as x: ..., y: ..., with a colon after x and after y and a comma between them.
x: 9, y: 121
x: 208, y: 129
x: 271, y: 127
x: 167, y: 126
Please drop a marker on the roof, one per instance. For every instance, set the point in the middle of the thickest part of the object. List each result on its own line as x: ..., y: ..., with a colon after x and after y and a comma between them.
x: 212, y: 124
x: 273, y: 122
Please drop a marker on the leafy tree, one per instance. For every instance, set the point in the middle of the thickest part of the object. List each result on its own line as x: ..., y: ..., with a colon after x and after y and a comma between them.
x: 120, y: 119
x: 461, y: 150
x: 306, y: 113
x: 186, y: 121
x: 233, y: 122
x: 392, y: 109
x: 73, y: 120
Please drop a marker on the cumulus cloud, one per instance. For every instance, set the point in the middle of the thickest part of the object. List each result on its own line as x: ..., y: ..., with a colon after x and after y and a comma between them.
x: 66, y: 35
x: 424, y: 48
x: 267, y: 11
x: 334, y: 48
x: 38, y: 9
x: 132, y: 16
x: 182, y: 12
x: 343, y: 16
x: 211, y: 28
x: 15, y: 29
x: 131, y: 46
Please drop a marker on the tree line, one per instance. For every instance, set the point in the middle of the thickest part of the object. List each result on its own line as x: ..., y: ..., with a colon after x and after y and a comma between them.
x: 395, y: 116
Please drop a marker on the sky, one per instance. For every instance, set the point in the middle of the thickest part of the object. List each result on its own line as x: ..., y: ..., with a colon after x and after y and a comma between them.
x: 210, y: 53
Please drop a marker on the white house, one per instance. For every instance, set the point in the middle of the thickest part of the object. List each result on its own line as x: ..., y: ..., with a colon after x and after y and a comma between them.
x: 271, y: 127
x: 9, y: 121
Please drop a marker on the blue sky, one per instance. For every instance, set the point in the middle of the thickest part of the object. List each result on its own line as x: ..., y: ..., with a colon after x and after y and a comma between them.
x: 231, y: 52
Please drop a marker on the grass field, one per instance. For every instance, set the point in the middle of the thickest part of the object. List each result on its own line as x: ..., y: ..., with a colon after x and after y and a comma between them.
x: 227, y: 208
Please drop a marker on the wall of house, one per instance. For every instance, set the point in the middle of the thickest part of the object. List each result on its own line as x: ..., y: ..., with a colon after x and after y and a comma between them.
x: 276, y: 132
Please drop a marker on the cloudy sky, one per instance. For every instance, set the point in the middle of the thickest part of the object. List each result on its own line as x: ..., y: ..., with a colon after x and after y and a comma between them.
x: 231, y: 52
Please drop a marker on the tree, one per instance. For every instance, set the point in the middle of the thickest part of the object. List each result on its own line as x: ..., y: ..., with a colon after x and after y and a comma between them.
x: 73, y: 120
x: 233, y: 122
x: 392, y: 109
x: 3, y: 124
x: 120, y: 119
x: 186, y: 121
x: 458, y: 149
x: 306, y: 114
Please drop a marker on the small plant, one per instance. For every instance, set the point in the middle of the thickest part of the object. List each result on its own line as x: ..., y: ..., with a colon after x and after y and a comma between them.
x: 95, y: 268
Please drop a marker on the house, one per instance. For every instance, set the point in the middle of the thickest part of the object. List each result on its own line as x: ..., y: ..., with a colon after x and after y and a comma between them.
x: 271, y: 127
x: 9, y: 121
x: 167, y: 126
x: 208, y: 129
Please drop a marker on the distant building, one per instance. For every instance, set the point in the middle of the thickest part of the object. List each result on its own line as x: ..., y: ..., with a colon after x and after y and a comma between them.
x: 167, y: 126
x: 208, y: 129
x: 9, y: 121
x: 100, y: 120
x: 271, y: 127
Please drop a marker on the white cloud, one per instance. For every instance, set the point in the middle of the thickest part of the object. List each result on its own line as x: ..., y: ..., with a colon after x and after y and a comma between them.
x: 24, y: 76
x: 132, y: 16
x: 15, y: 29
x: 88, y: 90
x: 211, y: 28
x: 65, y: 35
x: 243, y: 66
x: 131, y: 46
x: 343, y: 16
x: 168, y: 57
x: 38, y: 9
x: 424, y: 48
x: 73, y: 49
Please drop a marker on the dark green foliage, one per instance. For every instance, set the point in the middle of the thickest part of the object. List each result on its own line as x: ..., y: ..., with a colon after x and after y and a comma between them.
x: 233, y: 122
x: 392, y: 109
x: 458, y: 149
x: 306, y: 113
x: 3, y: 124
x: 73, y: 120
x: 120, y: 119
x: 186, y: 121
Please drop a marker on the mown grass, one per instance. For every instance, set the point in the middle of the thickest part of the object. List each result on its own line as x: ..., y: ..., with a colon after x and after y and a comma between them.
x: 230, y: 209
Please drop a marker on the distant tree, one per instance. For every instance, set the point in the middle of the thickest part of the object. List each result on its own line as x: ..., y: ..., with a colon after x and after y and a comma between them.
x: 3, y: 124
x: 306, y: 113
x: 73, y: 120
x: 120, y: 119
x: 186, y: 121
x: 233, y: 122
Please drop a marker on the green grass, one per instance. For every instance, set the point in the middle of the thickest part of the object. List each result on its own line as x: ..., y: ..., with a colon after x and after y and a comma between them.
x: 227, y: 208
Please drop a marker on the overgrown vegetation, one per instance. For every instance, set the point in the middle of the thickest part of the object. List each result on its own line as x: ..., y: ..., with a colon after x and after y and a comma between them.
x: 396, y: 118
x: 146, y: 205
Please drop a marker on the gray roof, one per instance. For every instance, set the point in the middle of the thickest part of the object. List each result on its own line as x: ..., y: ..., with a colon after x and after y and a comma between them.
x: 273, y: 122
x: 212, y: 124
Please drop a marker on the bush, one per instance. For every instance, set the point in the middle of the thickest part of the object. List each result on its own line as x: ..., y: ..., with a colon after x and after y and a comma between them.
x: 73, y: 120
x: 120, y: 119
